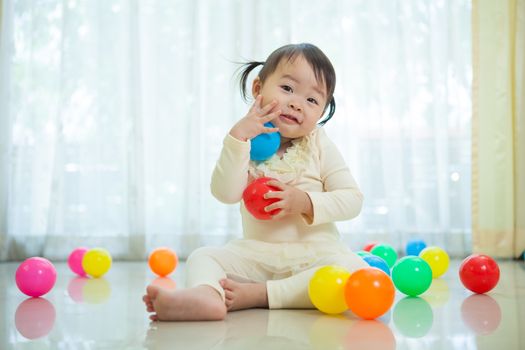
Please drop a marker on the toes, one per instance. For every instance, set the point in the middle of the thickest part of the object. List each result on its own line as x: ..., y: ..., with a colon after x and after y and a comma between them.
x: 152, y: 292
x: 154, y: 318
x: 228, y: 294
x: 150, y: 307
x: 146, y: 298
x: 228, y: 283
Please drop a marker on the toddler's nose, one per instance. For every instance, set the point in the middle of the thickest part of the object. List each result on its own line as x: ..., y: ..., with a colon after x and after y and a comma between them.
x: 295, y: 106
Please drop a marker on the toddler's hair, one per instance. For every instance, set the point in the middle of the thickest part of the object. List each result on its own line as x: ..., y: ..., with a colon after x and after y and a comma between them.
x: 321, y: 65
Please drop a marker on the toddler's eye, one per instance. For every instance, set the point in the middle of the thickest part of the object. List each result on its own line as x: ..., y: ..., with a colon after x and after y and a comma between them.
x: 287, y: 88
x: 313, y: 100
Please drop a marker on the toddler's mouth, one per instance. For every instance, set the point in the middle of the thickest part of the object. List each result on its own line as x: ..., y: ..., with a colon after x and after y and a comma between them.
x: 289, y: 118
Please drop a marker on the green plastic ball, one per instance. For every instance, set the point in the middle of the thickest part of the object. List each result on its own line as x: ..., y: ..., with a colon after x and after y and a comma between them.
x: 387, y: 252
x: 412, y: 275
x: 363, y: 253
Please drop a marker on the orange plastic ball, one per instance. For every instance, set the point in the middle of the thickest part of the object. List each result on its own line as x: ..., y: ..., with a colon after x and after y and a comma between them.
x: 162, y: 261
x: 369, y: 293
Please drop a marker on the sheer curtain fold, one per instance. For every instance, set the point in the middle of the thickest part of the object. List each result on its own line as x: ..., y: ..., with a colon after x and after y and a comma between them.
x: 4, y: 131
x: 113, y: 114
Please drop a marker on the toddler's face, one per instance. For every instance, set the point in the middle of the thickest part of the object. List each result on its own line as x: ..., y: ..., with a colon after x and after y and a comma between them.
x: 301, y: 98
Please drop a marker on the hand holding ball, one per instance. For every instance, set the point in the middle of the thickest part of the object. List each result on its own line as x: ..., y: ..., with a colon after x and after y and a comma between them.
x: 254, y: 200
x: 263, y: 146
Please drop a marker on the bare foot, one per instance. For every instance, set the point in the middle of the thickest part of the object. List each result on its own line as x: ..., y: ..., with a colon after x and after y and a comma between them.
x: 201, y: 303
x: 241, y: 296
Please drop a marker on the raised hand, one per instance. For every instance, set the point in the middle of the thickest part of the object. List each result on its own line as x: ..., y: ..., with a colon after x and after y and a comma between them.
x: 252, y: 124
x: 292, y: 201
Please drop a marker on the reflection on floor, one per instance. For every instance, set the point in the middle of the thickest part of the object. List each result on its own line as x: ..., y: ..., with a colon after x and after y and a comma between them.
x: 107, y: 313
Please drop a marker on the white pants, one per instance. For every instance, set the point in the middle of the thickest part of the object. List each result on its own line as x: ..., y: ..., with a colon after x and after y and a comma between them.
x: 285, y: 268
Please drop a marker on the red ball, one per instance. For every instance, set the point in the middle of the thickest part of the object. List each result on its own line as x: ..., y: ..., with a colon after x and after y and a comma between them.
x: 368, y: 247
x: 254, y: 200
x: 479, y: 273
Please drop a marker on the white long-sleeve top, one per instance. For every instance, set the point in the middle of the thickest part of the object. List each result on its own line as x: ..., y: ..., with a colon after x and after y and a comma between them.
x: 312, y: 164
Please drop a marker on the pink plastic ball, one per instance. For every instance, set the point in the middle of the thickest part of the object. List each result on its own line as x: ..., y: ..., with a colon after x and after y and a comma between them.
x: 35, y: 276
x: 75, y: 261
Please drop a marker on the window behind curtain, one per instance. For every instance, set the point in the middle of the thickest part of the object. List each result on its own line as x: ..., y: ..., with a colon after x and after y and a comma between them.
x: 113, y: 115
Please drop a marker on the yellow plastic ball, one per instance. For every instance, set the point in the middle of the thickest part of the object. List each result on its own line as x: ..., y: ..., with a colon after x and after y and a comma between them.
x: 327, y: 289
x: 437, y: 258
x: 96, y: 262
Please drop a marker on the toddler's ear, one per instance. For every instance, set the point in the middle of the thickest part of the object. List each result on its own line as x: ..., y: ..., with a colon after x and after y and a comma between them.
x: 256, y: 87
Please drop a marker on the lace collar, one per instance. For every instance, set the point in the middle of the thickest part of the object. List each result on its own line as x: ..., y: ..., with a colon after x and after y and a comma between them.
x: 290, y: 166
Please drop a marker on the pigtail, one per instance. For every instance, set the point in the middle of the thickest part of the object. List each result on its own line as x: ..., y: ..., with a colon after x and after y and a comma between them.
x: 331, y: 111
x: 245, y: 71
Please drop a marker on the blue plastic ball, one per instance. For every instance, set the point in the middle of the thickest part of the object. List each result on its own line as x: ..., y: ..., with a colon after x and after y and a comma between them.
x: 376, y: 261
x: 415, y: 246
x: 263, y: 146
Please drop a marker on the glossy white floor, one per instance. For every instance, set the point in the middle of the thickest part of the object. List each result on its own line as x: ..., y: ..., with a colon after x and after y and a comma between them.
x: 108, y: 313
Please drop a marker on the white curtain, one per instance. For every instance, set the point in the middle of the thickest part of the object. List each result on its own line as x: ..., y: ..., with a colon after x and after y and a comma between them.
x: 112, y: 115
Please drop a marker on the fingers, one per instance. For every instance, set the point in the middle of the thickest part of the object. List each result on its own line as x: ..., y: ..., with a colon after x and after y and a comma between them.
x: 256, y: 106
x: 279, y: 215
x: 274, y: 194
x: 273, y: 206
x: 275, y: 183
x: 269, y: 130
x: 264, y: 110
x: 269, y: 117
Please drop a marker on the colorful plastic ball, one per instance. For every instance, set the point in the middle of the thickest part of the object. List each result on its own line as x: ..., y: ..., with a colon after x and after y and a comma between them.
x: 412, y: 275
x: 437, y: 258
x: 479, y: 273
x: 376, y: 261
x: 363, y: 253
x: 74, y: 261
x: 162, y: 261
x: 385, y: 251
x: 326, y: 289
x: 35, y: 276
x: 263, y: 146
x: 254, y: 201
x: 369, y: 293
x: 415, y: 246
x: 368, y: 247
x: 96, y: 262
